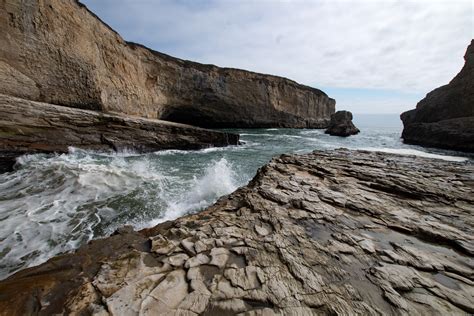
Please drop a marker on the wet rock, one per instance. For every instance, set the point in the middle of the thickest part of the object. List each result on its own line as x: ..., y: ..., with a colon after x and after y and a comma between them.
x: 378, y: 234
x: 445, y: 117
x: 341, y: 124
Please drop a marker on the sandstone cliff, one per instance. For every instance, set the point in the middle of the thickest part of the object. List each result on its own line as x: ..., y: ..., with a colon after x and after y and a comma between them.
x: 327, y: 233
x: 33, y: 127
x: 445, y: 117
x: 56, y: 51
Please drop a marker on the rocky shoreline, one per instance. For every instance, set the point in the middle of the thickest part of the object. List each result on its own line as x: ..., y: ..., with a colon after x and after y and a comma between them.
x: 331, y: 232
x: 62, y: 55
x: 445, y: 117
x: 28, y: 127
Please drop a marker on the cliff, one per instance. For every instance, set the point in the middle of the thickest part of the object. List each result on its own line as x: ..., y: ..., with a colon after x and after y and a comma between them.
x: 56, y: 51
x: 326, y: 233
x: 445, y: 117
x: 33, y: 127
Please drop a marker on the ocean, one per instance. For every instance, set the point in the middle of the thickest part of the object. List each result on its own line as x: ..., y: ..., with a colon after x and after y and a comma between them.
x: 53, y: 204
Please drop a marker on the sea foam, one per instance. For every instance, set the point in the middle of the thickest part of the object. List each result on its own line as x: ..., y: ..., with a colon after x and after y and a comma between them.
x: 404, y: 151
x: 218, y: 179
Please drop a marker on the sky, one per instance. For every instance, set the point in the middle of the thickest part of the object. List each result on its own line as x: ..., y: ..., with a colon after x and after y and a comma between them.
x: 372, y: 56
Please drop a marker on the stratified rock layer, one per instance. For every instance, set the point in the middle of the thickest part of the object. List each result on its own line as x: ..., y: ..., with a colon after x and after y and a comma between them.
x: 58, y: 52
x: 337, y: 232
x: 341, y: 125
x: 445, y: 117
x: 34, y: 127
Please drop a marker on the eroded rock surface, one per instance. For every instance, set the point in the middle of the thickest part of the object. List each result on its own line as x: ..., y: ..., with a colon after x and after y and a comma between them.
x: 337, y: 232
x: 445, y: 117
x: 341, y: 125
x: 34, y: 127
x: 56, y: 51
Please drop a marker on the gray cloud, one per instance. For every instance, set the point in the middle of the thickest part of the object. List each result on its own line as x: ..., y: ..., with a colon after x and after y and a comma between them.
x: 403, y: 45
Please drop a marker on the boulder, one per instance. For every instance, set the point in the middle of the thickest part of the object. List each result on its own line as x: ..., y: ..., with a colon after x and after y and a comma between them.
x: 341, y: 124
x: 444, y: 118
x: 330, y: 232
x: 34, y: 127
x: 57, y: 51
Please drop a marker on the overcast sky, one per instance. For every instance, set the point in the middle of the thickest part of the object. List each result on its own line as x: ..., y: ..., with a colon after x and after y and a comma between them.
x: 371, y: 56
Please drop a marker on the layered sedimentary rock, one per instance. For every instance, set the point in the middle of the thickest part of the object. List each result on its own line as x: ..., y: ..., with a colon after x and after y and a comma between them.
x: 341, y: 125
x: 34, y: 127
x: 56, y: 51
x: 337, y: 232
x: 445, y: 117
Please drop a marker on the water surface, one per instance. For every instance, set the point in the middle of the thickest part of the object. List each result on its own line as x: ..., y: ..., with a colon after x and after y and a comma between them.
x: 53, y: 204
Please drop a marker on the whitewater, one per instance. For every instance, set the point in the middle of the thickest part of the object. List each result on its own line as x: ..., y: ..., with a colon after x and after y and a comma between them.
x: 54, y: 203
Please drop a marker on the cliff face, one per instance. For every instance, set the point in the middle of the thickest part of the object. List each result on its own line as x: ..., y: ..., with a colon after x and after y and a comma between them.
x: 56, y: 51
x: 444, y: 118
x: 327, y: 233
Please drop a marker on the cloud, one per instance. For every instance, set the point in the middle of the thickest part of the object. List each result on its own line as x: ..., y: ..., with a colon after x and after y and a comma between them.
x: 406, y: 46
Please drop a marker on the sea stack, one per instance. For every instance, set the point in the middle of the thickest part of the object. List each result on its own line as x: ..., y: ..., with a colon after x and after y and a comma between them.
x: 445, y: 117
x: 341, y: 124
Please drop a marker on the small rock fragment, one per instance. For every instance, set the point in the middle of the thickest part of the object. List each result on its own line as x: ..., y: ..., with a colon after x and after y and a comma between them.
x: 367, y: 245
x: 161, y: 245
x: 219, y: 257
x: 177, y: 260
x: 262, y: 230
x: 188, y: 245
x: 197, y: 261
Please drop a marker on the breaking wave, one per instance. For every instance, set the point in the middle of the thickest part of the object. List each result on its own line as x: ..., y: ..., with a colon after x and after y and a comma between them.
x: 217, y: 180
x: 405, y: 151
x: 54, y: 203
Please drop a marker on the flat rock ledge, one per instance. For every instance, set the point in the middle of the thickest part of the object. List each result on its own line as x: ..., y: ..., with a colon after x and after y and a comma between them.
x: 336, y: 232
x: 34, y: 127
